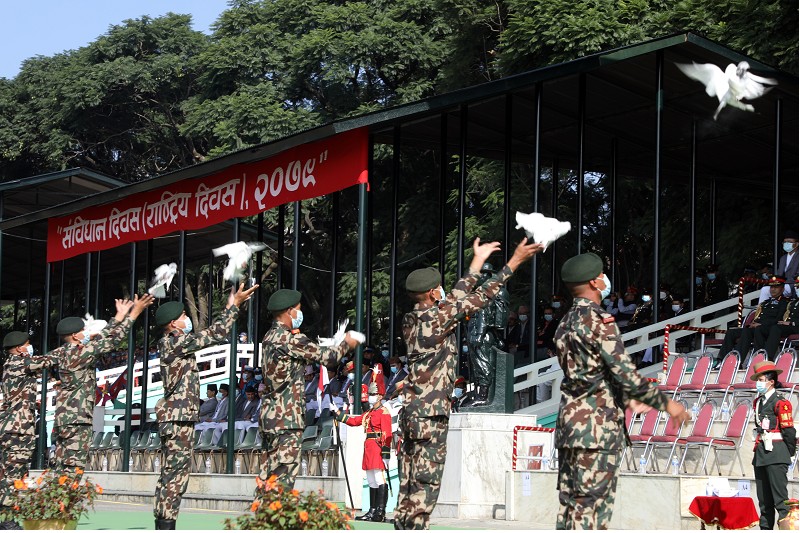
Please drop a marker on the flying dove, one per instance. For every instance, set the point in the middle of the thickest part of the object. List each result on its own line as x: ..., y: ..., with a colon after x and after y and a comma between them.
x: 737, y: 83
x: 339, y: 336
x: 91, y: 326
x: 542, y: 229
x: 162, y: 279
x: 239, y: 254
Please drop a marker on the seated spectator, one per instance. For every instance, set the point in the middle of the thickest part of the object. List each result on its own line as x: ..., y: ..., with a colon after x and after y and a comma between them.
x: 545, y: 346
x: 220, y: 415
x: 248, y: 378
x: 788, y: 262
x: 209, y: 405
x: 626, y: 307
x: 243, y: 337
x: 373, y: 359
x: 787, y: 325
x: 310, y: 395
x: 610, y: 304
x: 678, y: 307
x: 643, y: 315
x: 339, y: 384
x: 664, y: 302
x: 398, y: 373
x: 767, y: 314
x: 247, y: 416
x: 459, y: 389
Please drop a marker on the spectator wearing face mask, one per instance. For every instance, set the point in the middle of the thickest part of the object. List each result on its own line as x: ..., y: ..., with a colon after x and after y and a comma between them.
x: 519, y: 337
x: 626, y: 307
x: 610, y: 304
x: 643, y: 315
x: 677, y: 308
x: 664, y: 302
x: 545, y: 347
x: 787, y: 264
x: 398, y: 373
x: 459, y: 390
x: 716, y: 289
x: 559, y: 305
x: 699, y: 288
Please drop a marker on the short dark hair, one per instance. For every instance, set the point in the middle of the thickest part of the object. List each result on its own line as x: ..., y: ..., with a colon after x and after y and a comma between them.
x: 773, y: 376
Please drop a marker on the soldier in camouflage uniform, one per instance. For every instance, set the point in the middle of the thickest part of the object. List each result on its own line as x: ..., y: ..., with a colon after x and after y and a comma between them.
x: 17, y: 412
x: 429, y: 333
x: 600, y: 379
x: 176, y: 412
x: 286, y: 352
x: 77, y: 363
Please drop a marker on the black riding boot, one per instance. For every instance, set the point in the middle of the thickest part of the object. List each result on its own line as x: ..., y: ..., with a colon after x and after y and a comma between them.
x: 380, y: 506
x: 162, y: 523
x: 373, y: 500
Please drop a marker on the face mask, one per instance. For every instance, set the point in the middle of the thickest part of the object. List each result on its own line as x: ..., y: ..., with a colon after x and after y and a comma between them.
x: 219, y: 396
x: 394, y: 370
x: 548, y: 317
x: 458, y: 392
x: 85, y: 339
x: 556, y: 304
x: 676, y: 308
x: 372, y: 400
x: 606, y: 301
x: 711, y: 277
x: 385, y: 353
x: 523, y: 318
x: 605, y: 292
x: 645, y: 298
x: 698, y: 281
x: 787, y: 247
x: 761, y: 387
x: 465, y: 349
x: 29, y: 349
x: 297, y: 320
x: 764, y: 276
x: 259, y: 377
x: 662, y: 295
x: 188, y: 327
x: 442, y: 295
x: 351, y: 376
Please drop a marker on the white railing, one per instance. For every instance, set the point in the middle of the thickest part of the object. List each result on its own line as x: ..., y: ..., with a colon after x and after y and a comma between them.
x: 635, y: 341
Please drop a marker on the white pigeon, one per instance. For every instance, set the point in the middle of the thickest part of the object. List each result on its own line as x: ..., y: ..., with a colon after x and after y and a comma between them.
x: 92, y: 327
x: 737, y: 83
x: 339, y: 336
x: 543, y: 230
x: 162, y: 279
x: 239, y: 254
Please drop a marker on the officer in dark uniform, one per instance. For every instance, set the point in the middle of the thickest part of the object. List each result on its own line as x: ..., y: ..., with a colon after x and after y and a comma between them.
x: 775, y: 444
x: 786, y: 326
x: 768, y: 313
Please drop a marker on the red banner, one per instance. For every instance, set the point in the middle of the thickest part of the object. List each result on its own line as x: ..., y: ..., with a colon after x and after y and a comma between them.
x: 306, y: 171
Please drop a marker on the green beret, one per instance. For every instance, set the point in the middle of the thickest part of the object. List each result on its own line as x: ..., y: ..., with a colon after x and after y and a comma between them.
x: 423, y: 279
x: 581, y: 268
x: 70, y: 325
x: 14, y: 339
x: 283, y: 299
x: 167, y: 312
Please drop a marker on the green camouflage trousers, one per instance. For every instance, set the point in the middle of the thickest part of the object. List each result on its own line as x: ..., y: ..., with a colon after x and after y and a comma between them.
x: 177, y: 444
x: 72, y: 446
x: 16, y: 450
x: 587, y: 484
x: 281, y: 455
x: 422, y: 461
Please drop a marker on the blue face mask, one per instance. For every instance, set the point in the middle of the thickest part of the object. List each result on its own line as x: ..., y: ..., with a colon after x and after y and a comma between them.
x: 188, y: 327
x: 385, y: 353
x: 548, y: 317
x: 761, y: 387
x: 297, y: 320
x: 698, y: 281
x: 442, y: 294
x: 85, y: 340
x: 645, y: 298
x: 605, y: 292
x: 351, y: 376
x: 711, y: 277
x: 458, y: 392
x: 394, y: 370
x: 788, y: 247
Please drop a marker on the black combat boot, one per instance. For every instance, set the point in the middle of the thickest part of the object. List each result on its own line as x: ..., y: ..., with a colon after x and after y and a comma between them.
x: 380, y: 506
x: 373, y: 500
x: 162, y: 523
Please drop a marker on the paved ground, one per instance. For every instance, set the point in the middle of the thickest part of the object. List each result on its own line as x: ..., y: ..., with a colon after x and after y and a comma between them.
x: 124, y: 516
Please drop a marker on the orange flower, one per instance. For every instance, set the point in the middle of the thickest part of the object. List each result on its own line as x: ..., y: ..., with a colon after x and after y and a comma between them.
x: 276, y: 505
x: 331, y: 505
x: 295, y: 492
x: 62, y: 480
x: 74, y: 485
x: 303, y: 516
x: 61, y: 506
x: 272, y: 481
x: 255, y: 505
x: 20, y: 484
x: 99, y: 489
x: 259, y: 482
x: 79, y: 471
x: 16, y: 507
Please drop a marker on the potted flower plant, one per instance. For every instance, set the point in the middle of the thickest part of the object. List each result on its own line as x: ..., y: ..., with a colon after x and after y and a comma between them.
x: 54, y: 500
x: 276, y: 507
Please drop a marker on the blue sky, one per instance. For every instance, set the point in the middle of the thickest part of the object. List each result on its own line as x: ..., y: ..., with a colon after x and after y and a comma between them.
x: 46, y: 27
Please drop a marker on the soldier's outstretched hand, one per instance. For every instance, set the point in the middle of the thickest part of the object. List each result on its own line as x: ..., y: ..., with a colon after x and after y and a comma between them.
x: 241, y: 296
x: 678, y: 413
x: 524, y: 252
x: 123, y: 307
x: 140, y: 304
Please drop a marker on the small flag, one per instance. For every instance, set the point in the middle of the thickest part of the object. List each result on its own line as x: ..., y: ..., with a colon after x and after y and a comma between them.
x: 321, y: 384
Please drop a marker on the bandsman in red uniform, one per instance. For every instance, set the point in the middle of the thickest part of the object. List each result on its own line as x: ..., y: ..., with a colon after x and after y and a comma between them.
x: 776, y: 443
x: 377, y: 424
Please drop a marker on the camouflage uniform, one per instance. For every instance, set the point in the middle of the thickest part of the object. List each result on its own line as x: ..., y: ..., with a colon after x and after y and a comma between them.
x: 432, y: 358
x: 176, y: 412
x: 18, y: 417
x: 286, y: 353
x: 599, y: 377
x: 75, y: 400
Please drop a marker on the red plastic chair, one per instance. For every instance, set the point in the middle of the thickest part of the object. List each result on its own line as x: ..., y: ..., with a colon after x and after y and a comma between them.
x: 698, y: 381
x: 732, y: 439
x: 702, y: 425
x: 725, y: 378
x: 674, y: 377
x: 747, y: 387
x: 668, y: 439
x: 646, y: 432
x: 786, y: 361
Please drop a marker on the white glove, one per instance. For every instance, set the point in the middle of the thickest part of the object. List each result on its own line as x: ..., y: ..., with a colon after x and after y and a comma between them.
x: 334, y: 408
x: 386, y: 463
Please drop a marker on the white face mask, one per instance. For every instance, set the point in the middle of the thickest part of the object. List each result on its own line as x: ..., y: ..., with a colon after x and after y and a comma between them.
x: 297, y: 320
x: 29, y: 349
x: 605, y: 292
x: 556, y: 304
x: 645, y: 298
x: 523, y: 318
x: 676, y: 308
x: 788, y: 247
x: 187, y: 328
x: 662, y: 295
x: 351, y: 376
x: 373, y: 399
x: 442, y: 294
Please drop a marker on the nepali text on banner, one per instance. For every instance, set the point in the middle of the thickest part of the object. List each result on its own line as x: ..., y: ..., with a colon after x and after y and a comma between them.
x: 306, y: 171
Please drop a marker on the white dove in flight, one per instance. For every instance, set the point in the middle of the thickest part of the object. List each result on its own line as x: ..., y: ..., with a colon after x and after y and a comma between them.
x: 737, y: 83
x: 162, y: 279
x: 239, y: 254
x: 91, y: 326
x: 543, y: 230
x: 339, y: 336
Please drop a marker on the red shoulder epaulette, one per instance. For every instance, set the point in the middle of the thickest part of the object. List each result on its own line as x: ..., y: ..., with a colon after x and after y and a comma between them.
x: 609, y: 319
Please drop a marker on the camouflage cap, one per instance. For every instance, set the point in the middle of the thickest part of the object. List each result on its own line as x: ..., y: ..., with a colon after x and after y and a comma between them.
x: 168, y: 312
x: 423, y: 279
x: 69, y: 325
x: 581, y: 268
x: 283, y: 299
x: 14, y: 339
